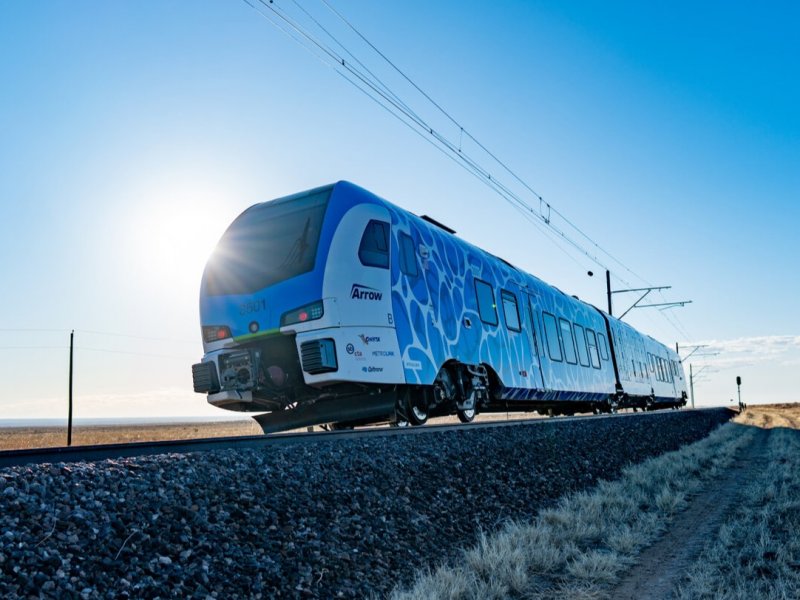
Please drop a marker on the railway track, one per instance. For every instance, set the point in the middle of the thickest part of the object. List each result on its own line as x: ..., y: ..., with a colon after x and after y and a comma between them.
x: 68, y: 454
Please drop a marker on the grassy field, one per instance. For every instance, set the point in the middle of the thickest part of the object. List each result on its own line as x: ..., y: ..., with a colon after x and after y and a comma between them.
x: 769, y: 416
x: 45, y: 437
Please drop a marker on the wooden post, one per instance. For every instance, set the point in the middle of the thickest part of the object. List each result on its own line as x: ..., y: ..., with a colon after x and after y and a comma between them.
x: 69, y: 417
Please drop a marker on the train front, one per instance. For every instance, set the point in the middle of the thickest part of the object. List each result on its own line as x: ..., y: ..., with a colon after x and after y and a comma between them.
x: 295, y: 307
x: 265, y: 275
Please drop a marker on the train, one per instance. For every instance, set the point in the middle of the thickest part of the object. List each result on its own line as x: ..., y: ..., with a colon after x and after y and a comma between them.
x: 334, y: 306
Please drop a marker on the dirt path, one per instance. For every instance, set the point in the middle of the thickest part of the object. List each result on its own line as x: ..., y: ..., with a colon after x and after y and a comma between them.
x: 660, y: 567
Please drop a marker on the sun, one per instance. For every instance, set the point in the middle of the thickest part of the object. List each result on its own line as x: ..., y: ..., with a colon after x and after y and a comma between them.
x: 175, y: 236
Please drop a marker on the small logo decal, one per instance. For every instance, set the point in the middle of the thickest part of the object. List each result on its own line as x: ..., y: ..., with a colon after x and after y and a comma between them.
x: 372, y: 369
x: 368, y: 339
x: 350, y: 348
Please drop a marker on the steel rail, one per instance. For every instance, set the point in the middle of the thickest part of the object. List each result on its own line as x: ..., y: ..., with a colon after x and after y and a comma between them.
x: 99, y: 452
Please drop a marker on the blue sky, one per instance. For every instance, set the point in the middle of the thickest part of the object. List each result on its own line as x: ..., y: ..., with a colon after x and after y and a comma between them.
x: 131, y: 134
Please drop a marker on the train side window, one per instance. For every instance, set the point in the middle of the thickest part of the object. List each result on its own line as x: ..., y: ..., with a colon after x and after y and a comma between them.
x: 569, y: 341
x: 408, y: 258
x: 374, y: 248
x: 601, y: 341
x: 592, y: 340
x: 510, y: 310
x: 486, y: 306
x: 551, y: 333
x: 583, y: 351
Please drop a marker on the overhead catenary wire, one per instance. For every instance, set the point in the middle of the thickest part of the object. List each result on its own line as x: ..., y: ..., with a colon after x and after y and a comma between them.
x: 355, y: 71
x: 463, y: 131
x: 444, y: 144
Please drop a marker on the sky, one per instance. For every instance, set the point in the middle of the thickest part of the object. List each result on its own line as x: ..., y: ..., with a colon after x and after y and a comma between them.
x: 132, y: 134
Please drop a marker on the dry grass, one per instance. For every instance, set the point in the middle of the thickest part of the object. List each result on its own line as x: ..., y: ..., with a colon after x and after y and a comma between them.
x: 757, y: 552
x: 577, y: 548
x: 768, y: 416
x: 13, y: 438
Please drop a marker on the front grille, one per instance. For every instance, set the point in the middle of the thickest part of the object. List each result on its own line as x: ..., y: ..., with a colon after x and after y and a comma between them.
x: 204, y: 378
x: 319, y: 356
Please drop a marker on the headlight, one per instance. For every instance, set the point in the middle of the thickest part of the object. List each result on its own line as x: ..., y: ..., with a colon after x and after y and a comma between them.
x: 309, y: 312
x: 214, y: 333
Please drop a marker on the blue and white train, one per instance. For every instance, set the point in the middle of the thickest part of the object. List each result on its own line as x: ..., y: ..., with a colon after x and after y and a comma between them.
x: 334, y: 305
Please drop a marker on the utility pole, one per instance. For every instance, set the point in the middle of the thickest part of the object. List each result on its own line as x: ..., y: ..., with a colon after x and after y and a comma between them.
x: 691, y: 384
x: 608, y: 291
x: 69, y: 417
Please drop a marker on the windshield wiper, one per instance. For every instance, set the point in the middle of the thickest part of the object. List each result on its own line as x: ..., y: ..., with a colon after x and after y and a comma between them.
x: 299, y: 247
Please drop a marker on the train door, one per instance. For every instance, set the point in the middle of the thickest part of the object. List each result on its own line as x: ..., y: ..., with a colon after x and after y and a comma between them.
x: 537, y: 377
x: 356, y: 289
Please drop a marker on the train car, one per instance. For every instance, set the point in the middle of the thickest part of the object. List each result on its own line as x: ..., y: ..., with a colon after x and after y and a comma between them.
x: 339, y: 306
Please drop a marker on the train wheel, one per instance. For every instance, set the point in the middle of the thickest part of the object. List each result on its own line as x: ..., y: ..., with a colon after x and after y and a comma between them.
x: 417, y: 408
x: 467, y: 415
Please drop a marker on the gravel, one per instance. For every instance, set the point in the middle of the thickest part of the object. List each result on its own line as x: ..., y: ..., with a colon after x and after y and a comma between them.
x: 336, y: 519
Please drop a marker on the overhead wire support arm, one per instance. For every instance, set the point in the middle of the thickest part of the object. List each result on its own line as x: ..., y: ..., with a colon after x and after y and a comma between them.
x: 666, y: 305
x: 694, y: 348
x: 646, y: 290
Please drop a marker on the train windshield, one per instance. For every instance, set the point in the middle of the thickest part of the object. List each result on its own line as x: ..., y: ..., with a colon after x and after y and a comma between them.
x: 266, y: 244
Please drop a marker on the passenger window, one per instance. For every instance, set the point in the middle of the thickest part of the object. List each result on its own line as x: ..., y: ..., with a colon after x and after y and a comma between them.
x: 592, y: 341
x: 510, y: 310
x: 551, y: 333
x: 408, y: 257
x: 486, y: 307
x: 601, y: 341
x: 569, y: 341
x: 583, y: 352
x: 374, y: 248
